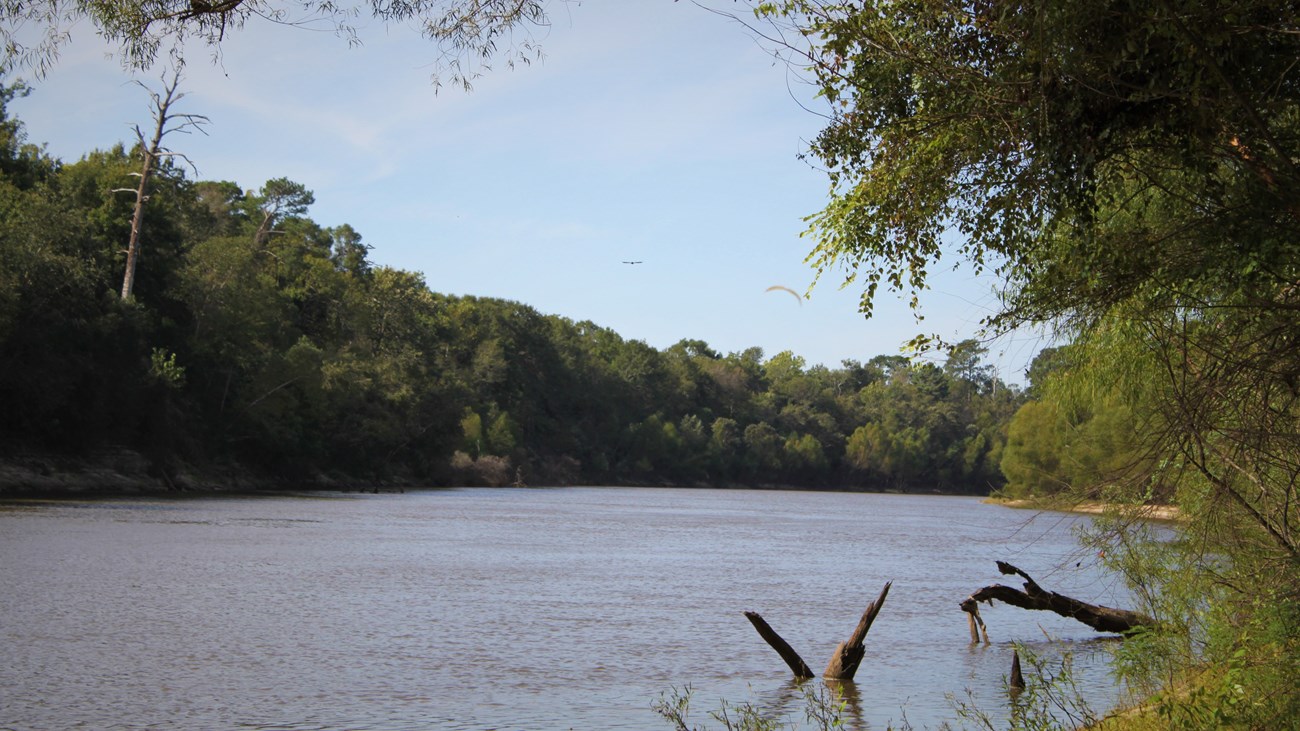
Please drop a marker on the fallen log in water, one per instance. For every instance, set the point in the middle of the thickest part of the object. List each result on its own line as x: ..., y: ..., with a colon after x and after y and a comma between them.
x: 848, y: 655
x: 1100, y: 618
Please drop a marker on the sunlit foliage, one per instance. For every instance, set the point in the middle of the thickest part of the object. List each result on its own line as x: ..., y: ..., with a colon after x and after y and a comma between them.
x: 261, y: 341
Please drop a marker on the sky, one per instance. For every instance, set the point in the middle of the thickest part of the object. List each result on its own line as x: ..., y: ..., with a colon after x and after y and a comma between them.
x: 651, y: 131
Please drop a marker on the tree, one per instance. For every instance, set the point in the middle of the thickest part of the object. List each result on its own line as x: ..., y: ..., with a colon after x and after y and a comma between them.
x: 220, y: 210
x: 21, y: 163
x: 347, y: 251
x: 1032, y: 458
x: 764, y: 451
x: 805, y: 457
x: 963, y: 364
x: 166, y: 121
x: 501, y: 434
x: 694, y: 348
x: 1131, y: 171
x: 468, y: 32
x: 1018, y: 126
x: 279, y: 199
x: 52, y: 333
x: 725, y: 442
x: 471, y: 425
x: 1048, y: 362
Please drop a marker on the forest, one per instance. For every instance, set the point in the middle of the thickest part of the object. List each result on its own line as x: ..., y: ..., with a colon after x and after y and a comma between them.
x: 256, y: 342
x: 1128, y: 171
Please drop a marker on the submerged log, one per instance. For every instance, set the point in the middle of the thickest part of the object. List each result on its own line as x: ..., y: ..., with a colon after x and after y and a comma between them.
x: 848, y: 655
x: 1017, y: 680
x: 783, y: 648
x: 1100, y: 618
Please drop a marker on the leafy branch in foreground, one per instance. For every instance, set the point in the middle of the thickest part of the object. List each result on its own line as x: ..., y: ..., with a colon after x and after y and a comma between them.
x: 1049, y: 701
x: 469, y: 33
x: 1036, y: 140
x: 823, y: 707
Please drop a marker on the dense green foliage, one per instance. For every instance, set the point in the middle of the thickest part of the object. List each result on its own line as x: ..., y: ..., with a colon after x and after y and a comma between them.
x: 1079, y: 446
x: 259, y: 338
x: 1131, y: 169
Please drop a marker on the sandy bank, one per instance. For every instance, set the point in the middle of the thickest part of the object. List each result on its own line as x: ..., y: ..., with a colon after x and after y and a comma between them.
x: 1144, y: 512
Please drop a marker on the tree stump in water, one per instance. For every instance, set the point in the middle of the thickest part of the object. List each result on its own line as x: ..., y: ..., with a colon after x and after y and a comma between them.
x: 848, y: 655
x: 1017, y: 680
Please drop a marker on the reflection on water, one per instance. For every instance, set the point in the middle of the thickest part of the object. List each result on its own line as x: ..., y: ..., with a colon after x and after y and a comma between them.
x: 513, y: 608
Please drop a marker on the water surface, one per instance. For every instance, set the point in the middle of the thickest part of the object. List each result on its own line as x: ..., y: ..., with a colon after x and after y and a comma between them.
x: 511, y: 608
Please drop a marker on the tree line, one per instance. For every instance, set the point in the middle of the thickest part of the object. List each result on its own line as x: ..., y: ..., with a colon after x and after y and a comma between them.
x: 257, y: 338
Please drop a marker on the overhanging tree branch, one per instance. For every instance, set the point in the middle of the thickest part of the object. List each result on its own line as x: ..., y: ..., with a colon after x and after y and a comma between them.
x: 469, y: 33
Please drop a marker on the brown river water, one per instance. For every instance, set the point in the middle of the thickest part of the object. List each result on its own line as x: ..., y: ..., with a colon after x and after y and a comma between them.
x: 529, y: 609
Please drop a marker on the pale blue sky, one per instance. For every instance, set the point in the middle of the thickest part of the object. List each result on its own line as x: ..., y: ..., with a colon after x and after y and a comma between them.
x: 653, y: 130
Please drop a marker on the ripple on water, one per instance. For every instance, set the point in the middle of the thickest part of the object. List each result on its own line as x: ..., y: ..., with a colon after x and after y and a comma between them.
x: 509, y: 609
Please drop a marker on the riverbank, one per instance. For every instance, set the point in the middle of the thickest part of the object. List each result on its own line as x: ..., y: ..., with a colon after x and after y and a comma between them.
x: 112, y: 472
x: 1143, y: 512
x: 121, y: 472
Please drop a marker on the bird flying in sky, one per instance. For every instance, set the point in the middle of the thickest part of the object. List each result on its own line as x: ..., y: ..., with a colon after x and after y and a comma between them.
x: 775, y: 287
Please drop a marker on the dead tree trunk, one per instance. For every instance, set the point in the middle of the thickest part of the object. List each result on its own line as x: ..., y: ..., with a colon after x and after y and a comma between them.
x: 152, y: 151
x: 783, y: 648
x: 848, y: 655
x: 1102, y: 619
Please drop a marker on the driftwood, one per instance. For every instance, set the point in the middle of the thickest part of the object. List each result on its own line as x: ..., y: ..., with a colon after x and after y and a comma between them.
x: 783, y: 648
x: 848, y: 655
x: 1102, y: 619
x: 976, y: 623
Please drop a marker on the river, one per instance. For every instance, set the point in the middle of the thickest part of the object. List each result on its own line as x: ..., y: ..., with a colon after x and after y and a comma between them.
x: 522, y: 608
